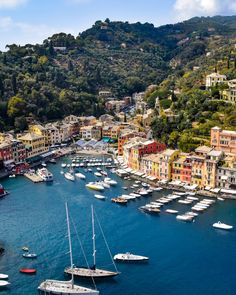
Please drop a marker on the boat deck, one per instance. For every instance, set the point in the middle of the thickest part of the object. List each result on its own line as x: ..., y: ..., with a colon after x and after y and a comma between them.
x: 33, y: 177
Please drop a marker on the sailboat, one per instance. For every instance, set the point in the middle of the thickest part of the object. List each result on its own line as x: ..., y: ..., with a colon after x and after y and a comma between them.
x: 66, y: 287
x: 93, y: 272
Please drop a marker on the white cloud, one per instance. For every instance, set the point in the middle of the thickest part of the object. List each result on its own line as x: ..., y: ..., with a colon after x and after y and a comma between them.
x: 21, y: 33
x: 11, y: 3
x: 190, y: 8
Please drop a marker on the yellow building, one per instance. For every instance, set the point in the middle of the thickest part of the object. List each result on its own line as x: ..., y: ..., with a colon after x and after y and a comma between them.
x: 39, y: 130
x: 35, y: 144
x: 150, y: 165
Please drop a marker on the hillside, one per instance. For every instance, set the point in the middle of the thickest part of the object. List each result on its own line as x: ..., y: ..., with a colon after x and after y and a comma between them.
x: 41, y: 82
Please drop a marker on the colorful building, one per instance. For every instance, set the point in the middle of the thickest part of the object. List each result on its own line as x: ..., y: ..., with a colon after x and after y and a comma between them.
x: 125, y: 136
x: 35, y: 144
x: 166, y: 159
x: 223, y: 140
x: 226, y: 173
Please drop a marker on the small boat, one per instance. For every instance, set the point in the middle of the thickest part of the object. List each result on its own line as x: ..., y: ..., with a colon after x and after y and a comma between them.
x: 3, y: 276
x: 150, y: 209
x: 110, y: 181
x: 29, y: 255
x: 185, y: 217
x: 63, y: 165
x: 95, y: 186
x: 90, y: 170
x: 98, y: 174
x: 28, y: 271
x: 186, y: 202
x: 12, y: 176
x: 53, y: 161
x: 221, y: 225
x: 4, y: 283
x: 100, y: 197
x: 142, y: 192
x: 62, y: 172
x: 135, y: 185
x: 80, y: 175
x: 106, y: 185
x: 69, y: 176
x: 130, y: 257
x: 171, y: 211
x: 25, y: 248
x: 220, y: 199
x: 125, y: 187
x: 44, y: 164
x: 119, y: 201
x: 103, y: 173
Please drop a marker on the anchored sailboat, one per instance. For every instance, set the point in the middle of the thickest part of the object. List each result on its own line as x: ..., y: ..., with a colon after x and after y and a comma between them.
x: 93, y: 272
x: 66, y: 287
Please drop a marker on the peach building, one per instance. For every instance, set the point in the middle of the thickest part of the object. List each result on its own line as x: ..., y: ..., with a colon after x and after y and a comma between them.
x: 223, y: 140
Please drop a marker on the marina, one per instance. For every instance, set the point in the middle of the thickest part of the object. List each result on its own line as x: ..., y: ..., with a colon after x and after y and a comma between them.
x: 163, y: 238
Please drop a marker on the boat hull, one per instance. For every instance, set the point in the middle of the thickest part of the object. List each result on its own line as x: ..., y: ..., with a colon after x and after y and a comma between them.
x: 64, y: 287
x: 88, y: 273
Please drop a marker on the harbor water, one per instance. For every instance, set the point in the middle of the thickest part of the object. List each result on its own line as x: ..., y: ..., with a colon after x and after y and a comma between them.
x: 184, y: 258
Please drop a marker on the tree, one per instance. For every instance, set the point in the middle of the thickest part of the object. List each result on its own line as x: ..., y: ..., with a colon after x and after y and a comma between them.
x: 16, y: 106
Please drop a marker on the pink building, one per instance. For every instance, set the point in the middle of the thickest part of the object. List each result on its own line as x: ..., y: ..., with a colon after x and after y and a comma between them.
x: 223, y: 140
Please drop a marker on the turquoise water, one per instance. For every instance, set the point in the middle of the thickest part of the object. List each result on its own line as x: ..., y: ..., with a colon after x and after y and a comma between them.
x: 185, y: 258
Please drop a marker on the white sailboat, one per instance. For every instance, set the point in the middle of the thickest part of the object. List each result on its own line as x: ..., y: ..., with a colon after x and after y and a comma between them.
x: 66, y: 287
x: 93, y: 272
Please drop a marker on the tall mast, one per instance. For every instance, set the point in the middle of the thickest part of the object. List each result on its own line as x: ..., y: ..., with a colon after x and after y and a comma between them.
x: 70, y: 247
x: 94, y: 241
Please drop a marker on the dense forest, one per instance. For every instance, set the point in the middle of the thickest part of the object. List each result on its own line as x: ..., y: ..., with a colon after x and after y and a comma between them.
x: 64, y: 74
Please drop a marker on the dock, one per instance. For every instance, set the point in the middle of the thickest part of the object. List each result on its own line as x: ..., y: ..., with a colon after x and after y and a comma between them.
x: 33, y: 177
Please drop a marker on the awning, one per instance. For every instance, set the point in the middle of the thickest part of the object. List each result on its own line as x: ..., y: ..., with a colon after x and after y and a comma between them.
x: 48, y: 154
x: 207, y: 188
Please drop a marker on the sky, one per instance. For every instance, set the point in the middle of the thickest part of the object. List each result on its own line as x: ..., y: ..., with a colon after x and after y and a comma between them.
x: 32, y: 21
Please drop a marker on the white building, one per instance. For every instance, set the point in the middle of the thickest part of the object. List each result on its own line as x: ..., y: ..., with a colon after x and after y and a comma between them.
x: 214, y: 79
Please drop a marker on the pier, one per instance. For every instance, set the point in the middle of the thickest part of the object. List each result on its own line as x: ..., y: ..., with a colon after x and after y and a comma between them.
x: 33, y: 177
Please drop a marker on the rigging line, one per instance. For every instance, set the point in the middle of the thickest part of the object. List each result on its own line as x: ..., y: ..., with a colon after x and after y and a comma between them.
x: 105, y: 241
x: 82, y: 249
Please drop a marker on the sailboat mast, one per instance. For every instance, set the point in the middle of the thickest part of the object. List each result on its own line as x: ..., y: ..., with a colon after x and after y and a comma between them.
x: 94, y: 241
x: 70, y: 247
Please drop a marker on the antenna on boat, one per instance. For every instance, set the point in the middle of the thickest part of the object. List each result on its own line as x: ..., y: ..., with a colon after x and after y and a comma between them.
x: 70, y: 247
x: 93, y: 238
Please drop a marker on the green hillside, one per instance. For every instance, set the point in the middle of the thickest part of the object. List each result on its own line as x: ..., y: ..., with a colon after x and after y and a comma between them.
x: 40, y: 82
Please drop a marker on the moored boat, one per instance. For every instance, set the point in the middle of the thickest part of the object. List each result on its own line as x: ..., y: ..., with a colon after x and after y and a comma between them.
x: 28, y: 271
x: 44, y: 174
x: 130, y: 257
x: 29, y: 255
x: 221, y: 225
x: 3, y: 276
x: 171, y: 211
x: 95, y: 186
x: 4, y: 283
x: 80, y: 175
x: 69, y: 176
x: 119, y: 201
x: 100, y: 197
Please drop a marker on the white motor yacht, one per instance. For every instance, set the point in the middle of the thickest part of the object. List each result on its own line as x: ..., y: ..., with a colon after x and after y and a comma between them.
x: 45, y: 174
x: 3, y: 276
x: 185, y: 217
x: 171, y: 211
x: 98, y: 174
x: 100, y: 197
x: 95, y: 186
x: 110, y: 181
x: 80, y: 175
x: 69, y: 176
x: 130, y: 257
x: 4, y: 283
x: 221, y: 225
